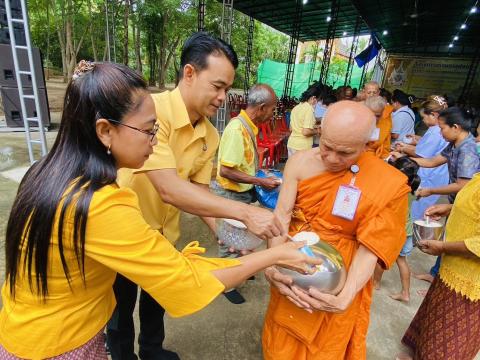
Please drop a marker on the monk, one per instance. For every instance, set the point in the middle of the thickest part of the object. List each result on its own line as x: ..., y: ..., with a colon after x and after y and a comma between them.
x: 380, y: 146
x: 310, y: 325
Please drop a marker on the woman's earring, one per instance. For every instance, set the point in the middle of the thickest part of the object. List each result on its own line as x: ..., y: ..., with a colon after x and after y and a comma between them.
x: 108, y: 150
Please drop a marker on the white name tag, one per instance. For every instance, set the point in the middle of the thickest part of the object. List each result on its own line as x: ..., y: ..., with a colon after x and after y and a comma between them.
x: 375, y: 134
x: 346, y: 202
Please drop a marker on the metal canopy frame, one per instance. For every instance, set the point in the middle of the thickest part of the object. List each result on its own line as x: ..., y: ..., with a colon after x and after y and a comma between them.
x: 201, y: 15
x: 411, y: 31
x: 472, y: 73
x: 226, y: 35
x: 327, y: 53
x: 292, y: 53
x: 314, y: 63
x: 353, y: 52
x: 248, y: 58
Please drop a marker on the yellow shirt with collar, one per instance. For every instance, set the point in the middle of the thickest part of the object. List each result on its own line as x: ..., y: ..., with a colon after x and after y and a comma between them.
x: 302, y: 117
x: 188, y: 149
x: 117, y: 240
x: 237, y: 151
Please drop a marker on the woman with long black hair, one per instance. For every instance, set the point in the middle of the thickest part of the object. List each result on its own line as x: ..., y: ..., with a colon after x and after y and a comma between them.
x: 71, y: 229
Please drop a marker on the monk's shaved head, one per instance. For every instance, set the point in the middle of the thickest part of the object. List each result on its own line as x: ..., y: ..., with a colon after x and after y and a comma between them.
x: 348, y: 119
x: 346, y: 128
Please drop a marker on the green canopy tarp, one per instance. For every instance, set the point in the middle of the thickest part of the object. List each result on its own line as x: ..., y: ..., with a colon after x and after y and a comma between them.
x: 273, y: 74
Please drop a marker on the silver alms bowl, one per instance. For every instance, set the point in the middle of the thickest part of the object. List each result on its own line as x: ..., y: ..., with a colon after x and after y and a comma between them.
x: 234, y: 234
x: 330, y: 275
x: 427, y: 230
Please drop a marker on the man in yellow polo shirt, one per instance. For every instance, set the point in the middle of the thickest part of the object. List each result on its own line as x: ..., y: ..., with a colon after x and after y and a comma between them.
x: 238, y: 158
x: 177, y: 176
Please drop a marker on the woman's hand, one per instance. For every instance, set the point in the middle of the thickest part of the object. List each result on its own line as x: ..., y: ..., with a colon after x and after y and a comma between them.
x: 284, y: 283
x: 396, y: 155
x: 423, y: 193
x: 432, y: 247
x: 435, y: 212
x: 413, y: 138
x: 404, y: 148
x: 291, y: 258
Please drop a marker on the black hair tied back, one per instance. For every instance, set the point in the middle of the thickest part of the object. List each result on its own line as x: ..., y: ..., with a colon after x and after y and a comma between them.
x: 410, y: 168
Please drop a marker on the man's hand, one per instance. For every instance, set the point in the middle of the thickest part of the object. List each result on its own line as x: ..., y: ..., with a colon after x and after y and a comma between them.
x: 425, y: 192
x: 431, y: 247
x: 323, y: 302
x: 435, y: 212
x: 269, y: 183
x: 262, y: 223
x: 283, y: 283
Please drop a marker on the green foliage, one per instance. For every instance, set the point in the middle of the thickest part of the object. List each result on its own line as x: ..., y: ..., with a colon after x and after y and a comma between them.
x: 163, y: 24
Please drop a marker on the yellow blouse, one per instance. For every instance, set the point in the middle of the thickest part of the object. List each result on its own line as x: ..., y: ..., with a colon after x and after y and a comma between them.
x: 460, y: 273
x: 302, y: 117
x: 117, y: 240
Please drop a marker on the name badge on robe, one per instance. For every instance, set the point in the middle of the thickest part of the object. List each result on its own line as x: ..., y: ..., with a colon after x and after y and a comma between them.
x: 375, y: 135
x: 347, y: 199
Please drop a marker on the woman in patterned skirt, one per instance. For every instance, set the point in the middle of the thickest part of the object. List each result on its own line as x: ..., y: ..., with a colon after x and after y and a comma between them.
x: 447, y: 324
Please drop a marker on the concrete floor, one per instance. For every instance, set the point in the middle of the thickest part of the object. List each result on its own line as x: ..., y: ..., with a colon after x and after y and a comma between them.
x: 223, y: 331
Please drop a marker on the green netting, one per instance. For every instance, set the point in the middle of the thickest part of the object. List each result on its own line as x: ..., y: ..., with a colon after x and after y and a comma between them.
x: 273, y: 74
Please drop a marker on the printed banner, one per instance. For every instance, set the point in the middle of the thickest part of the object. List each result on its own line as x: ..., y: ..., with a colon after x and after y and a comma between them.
x: 426, y: 76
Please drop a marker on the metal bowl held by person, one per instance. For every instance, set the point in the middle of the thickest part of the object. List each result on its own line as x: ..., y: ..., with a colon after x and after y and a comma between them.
x: 234, y: 233
x: 427, y: 230
x: 330, y: 276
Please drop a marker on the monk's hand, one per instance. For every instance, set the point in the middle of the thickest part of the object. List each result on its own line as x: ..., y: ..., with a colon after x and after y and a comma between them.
x: 291, y: 258
x: 432, y: 247
x: 283, y: 283
x: 321, y: 301
x: 263, y: 223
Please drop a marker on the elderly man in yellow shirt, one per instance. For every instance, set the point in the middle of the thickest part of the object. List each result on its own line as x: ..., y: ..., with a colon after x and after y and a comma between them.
x: 238, y: 158
x: 176, y: 177
x: 302, y: 122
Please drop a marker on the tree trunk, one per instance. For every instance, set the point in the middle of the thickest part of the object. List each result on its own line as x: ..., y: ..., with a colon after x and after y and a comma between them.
x: 162, y: 58
x: 92, y: 37
x: 125, y: 32
x: 138, y: 55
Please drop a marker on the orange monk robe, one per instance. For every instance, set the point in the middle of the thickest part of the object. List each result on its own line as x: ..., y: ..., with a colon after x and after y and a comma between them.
x: 291, y: 333
x: 381, y: 147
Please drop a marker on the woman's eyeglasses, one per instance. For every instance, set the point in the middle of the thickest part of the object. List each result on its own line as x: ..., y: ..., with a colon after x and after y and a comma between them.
x: 152, y: 132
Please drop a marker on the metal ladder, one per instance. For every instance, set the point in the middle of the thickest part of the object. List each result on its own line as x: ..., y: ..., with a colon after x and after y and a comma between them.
x: 30, y: 71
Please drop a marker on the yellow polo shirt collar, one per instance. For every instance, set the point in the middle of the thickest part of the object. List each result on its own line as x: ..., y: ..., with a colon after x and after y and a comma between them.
x: 249, y: 122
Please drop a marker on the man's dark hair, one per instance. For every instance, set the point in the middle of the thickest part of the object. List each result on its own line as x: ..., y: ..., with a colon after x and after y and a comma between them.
x: 200, y: 46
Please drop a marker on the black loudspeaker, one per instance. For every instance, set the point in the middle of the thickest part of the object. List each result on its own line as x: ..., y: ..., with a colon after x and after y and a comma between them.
x: 16, y: 14
x: 19, y: 35
x: 7, y: 69
x: 13, y: 109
